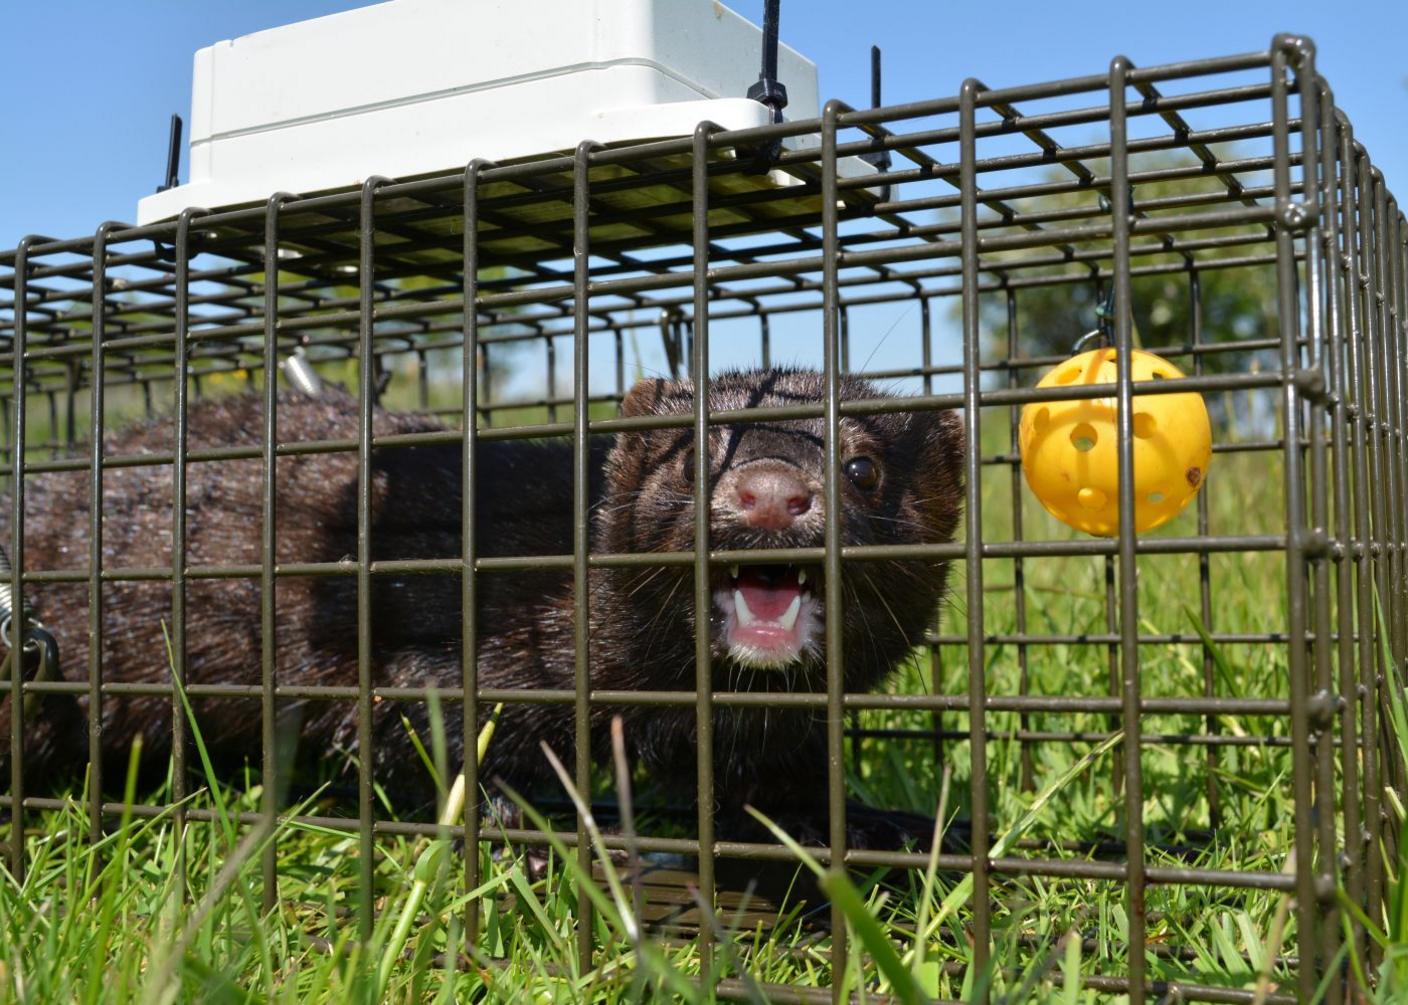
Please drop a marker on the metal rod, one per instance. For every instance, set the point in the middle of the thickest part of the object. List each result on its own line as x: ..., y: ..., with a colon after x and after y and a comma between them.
x: 973, y: 534
x: 703, y: 590
x: 1336, y: 184
x: 179, y: 544
x: 1130, y: 686
x: 469, y: 579
x: 96, y: 640
x: 833, y: 571
x: 366, y: 397
x: 17, y: 467
x: 581, y: 529
x: 269, y: 766
x: 1286, y: 49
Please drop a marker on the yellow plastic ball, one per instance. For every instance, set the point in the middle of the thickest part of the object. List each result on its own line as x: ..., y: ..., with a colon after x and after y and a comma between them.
x: 1070, y: 448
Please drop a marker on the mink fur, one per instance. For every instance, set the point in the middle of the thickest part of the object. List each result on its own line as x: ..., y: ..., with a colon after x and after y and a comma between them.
x: 641, y: 621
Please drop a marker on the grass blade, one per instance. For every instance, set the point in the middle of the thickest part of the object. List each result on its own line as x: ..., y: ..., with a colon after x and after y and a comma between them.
x: 964, y: 889
x: 429, y: 863
x: 842, y: 892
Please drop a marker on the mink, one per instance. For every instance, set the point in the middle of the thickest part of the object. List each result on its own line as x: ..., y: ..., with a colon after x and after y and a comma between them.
x: 901, y: 483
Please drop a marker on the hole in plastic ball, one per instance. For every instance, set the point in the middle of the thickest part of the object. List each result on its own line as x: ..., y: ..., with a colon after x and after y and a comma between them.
x: 1042, y: 420
x: 1144, y: 425
x: 1159, y: 375
x: 1084, y: 437
x: 1091, y: 498
x: 1067, y: 376
x: 1156, y: 497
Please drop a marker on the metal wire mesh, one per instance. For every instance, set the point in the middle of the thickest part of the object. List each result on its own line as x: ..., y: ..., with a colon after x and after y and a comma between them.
x: 1240, y: 164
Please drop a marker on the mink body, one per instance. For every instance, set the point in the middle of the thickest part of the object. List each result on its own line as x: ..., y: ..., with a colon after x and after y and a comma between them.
x: 641, y: 621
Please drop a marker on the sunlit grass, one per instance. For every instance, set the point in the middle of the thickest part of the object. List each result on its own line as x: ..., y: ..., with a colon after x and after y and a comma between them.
x: 100, y: 922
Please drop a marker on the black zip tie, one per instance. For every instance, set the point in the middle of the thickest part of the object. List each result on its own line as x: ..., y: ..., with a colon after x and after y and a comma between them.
x: 167, y: 252
x: 768, y: 90
x: 173, y: 155
x: 878, y: 159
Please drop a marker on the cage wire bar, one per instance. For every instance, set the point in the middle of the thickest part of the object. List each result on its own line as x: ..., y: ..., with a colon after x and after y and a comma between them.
x: 469, y: 382
x: 703, y: 590
x: 685, y: 239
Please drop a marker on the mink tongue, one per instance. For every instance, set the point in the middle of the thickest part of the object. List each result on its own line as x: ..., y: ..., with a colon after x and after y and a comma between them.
x: 768, y: 590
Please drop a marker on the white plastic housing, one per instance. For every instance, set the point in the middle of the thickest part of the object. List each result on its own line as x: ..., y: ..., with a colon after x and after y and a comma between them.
x: 411, y: 87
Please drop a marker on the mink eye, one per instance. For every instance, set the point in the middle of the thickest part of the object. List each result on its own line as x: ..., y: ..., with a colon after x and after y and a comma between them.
x: 687, y: 465
x: 863, y: 473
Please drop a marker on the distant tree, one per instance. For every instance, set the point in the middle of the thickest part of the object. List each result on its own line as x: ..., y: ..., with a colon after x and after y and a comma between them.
x: 1238, y: 301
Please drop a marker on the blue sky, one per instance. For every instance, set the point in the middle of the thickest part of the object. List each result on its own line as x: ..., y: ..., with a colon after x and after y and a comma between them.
x: 97, y: 81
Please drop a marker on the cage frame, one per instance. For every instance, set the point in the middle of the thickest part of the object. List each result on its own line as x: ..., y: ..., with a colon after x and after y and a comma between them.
x: 1339, y: 246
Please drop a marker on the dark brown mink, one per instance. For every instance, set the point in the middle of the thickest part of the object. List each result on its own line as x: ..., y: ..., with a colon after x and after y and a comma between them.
x: 901, y: 483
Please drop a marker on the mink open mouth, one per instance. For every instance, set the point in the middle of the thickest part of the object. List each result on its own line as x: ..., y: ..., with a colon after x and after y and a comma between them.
x: 771, y: 614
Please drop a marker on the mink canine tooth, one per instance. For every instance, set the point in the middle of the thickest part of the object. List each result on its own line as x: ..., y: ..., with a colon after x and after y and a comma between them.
x: 642, y: 631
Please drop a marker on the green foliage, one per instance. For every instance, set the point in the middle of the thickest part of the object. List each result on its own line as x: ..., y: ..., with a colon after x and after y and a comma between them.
x: 1389, y: 934
x: 1238, y: 304
x: 1238, y: 301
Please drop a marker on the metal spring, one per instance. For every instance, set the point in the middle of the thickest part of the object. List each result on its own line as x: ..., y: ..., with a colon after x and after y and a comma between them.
x: 300, y: 373
x: 7, y: 599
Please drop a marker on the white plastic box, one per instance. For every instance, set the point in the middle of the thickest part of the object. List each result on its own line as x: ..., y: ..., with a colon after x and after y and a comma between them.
x: 411, y: 87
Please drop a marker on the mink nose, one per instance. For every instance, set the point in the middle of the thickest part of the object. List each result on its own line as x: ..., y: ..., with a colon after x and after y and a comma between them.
x: 771, y: 498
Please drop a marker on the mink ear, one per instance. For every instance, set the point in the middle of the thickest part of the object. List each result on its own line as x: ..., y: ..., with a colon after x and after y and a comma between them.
x: 645, y: 396
x: 944, y: 440
x: 625, y: 463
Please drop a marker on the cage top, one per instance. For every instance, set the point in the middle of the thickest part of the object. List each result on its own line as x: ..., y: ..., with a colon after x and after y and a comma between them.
x: 410, y: 87
x: 1200, y: 154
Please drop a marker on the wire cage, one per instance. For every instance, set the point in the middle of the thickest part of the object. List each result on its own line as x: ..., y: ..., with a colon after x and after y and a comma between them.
x: 938, y: 271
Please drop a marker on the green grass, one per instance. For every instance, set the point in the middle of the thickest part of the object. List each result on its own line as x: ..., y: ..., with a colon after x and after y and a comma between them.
x: 109, y: 922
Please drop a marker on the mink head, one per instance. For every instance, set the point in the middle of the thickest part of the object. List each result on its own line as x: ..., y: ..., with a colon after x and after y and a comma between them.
x: 901, y: 483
